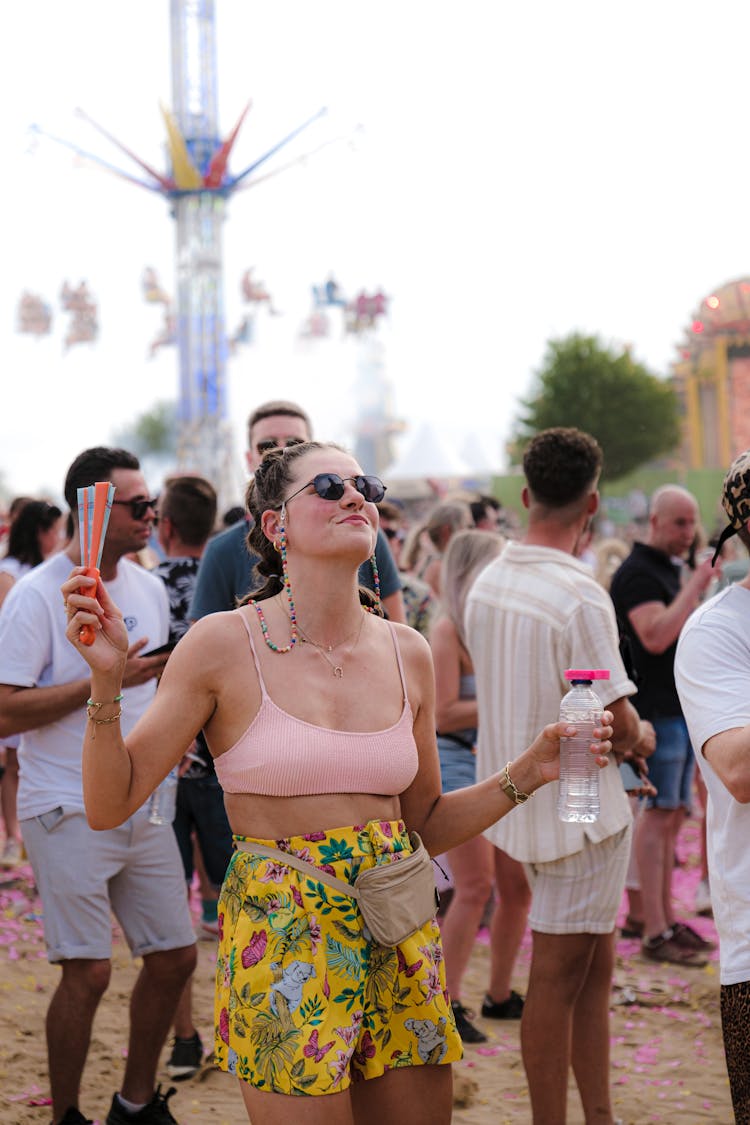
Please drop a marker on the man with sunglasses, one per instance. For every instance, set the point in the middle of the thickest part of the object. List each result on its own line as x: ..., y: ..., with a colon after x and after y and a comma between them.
x: 83, y: 875
x: 226, y: 570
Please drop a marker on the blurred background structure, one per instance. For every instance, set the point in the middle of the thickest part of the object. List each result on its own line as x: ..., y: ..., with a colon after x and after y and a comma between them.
x: 712, y: 378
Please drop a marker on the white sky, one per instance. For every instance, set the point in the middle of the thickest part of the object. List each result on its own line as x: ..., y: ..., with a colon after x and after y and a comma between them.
x: 524, y: 171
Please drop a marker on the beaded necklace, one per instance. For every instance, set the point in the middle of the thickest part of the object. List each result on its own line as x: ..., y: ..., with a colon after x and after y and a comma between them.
x: 264, y: 629
x: 288, y: 591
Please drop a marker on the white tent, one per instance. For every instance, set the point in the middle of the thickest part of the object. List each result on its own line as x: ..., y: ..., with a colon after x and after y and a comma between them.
x: 427, y: 457
x: 481, y: 455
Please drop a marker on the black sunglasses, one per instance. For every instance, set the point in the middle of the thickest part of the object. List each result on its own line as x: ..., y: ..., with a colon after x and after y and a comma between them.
x: 393, y: 533
x: 276, y: 443
x: 138, y: 508
x: 330, y: 486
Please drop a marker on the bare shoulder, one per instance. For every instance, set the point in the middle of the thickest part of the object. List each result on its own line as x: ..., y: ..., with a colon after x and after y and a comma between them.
x: 442, y: 629
x: 210, y: 641
x: 415, y: 650
x: 214, y: 625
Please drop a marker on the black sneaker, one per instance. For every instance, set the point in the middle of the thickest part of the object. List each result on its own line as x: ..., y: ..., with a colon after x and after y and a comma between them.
x: 510, y: 1009
x: 73, y: 1116
x: 186, y: 1058
x: 464, y: 1027
x: 155, y: 1113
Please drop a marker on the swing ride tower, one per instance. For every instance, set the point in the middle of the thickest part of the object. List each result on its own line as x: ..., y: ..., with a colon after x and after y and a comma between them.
x: 204, y: 436
x: 197, y: 186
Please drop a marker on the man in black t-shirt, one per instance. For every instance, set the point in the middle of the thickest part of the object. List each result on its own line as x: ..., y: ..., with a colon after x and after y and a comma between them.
x: 652, y: 605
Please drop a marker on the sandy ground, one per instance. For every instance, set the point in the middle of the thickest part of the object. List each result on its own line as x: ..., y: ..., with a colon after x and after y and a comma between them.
x: 667, y: 1057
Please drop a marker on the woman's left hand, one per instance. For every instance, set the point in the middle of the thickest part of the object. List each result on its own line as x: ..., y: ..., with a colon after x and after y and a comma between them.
x: 545, y: 749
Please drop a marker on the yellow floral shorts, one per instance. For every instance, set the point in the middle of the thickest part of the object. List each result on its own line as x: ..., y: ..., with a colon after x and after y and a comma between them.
x: 306, y: 1000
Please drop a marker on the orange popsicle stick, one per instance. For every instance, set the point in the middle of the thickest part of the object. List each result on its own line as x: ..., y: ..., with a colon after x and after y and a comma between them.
x: 87, y: 633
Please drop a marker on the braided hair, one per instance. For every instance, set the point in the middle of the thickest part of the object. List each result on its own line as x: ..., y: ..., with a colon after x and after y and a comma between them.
x: 266, y: 491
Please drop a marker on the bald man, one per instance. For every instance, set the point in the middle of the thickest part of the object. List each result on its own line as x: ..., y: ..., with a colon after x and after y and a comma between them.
x: 652, y: 605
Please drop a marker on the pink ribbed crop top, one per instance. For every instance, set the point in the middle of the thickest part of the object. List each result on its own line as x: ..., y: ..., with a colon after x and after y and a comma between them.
x: 281, y: 756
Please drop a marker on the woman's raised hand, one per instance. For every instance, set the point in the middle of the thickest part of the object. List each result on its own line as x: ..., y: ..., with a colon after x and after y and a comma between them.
x: 88, y: 603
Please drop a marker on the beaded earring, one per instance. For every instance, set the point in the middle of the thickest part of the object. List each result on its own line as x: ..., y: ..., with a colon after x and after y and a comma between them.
x: 288, y: 590
x: 377, y: 608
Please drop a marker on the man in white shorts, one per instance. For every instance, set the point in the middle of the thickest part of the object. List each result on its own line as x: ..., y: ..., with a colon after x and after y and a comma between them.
x: 712, y: 673
x: 83, y: 875
x: 535, y: 611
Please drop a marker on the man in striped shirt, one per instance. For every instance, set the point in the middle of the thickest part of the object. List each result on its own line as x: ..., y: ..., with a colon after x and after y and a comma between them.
x: 535, y: 611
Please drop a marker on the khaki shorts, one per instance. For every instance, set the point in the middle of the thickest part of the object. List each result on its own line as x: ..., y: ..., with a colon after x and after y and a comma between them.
x: 580, y: 893
x: 84, y: 876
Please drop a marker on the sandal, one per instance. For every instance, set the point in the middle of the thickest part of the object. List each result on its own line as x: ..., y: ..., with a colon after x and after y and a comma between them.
x: 665, y: 948
x: 631, y: 928
x: 690, y: 939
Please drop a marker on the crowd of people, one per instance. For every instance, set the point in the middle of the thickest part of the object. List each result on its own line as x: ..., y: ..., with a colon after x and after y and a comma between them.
x: 327, y: 684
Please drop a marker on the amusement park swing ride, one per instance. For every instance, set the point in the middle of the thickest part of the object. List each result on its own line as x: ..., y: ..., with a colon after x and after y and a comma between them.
x: 197, y: 187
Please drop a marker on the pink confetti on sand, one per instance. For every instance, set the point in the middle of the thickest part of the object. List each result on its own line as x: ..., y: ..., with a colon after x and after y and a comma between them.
x: 31, y: 1096
x: 491, y: 1050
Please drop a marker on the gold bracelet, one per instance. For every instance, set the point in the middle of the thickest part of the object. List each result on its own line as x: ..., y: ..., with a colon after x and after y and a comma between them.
x: 506, y: 783
x: 102, y: 722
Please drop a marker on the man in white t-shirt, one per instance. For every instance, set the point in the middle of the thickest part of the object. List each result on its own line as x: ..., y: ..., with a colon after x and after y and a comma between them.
x: 712, y: 673
x: 535, y: 611
x: 83, y: 875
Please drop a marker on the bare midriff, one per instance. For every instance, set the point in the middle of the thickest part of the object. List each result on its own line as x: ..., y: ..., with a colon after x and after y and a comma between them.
x: 276, y: 818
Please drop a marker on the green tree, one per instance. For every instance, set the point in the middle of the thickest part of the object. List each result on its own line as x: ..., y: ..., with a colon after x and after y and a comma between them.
x: 632, y: 413
x: 152, y: 434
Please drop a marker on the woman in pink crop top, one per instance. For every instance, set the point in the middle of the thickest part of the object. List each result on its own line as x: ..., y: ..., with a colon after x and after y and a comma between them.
x: 320, y: 716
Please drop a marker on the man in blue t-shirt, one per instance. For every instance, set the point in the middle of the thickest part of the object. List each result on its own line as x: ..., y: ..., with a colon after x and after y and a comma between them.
x: 226, y: 570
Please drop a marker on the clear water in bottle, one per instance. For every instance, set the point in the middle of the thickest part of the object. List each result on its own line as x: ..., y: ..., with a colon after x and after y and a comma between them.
x: 578, y: 795
x: 162, y: 803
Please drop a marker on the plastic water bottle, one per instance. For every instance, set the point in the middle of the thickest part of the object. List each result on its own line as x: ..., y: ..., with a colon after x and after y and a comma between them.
x: 162, y: 804
x: 578, y: 796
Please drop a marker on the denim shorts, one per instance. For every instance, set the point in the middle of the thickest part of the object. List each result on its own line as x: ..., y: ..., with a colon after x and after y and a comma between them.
x: 200, y: 806
x: 458, y: 766
x: 670, y: 767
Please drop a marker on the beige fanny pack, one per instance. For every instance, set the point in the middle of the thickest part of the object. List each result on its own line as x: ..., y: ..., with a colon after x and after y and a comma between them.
x: 395, y: 898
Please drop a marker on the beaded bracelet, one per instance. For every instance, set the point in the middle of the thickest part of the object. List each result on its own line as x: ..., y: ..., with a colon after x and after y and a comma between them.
x: 105, y: 703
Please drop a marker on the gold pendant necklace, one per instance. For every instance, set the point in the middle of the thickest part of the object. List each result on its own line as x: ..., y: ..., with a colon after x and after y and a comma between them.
x: 336, y: 669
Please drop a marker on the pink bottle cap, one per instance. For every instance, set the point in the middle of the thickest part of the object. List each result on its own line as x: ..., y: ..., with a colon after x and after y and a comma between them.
x: 587, y: 673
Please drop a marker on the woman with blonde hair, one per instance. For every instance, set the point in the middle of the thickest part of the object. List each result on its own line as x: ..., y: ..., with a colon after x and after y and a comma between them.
x: 475, y: 865
x: 319, y: 715
x: 442, y: 523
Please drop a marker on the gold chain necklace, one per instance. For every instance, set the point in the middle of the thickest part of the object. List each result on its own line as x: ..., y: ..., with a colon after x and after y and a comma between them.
x: 337, y: 669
